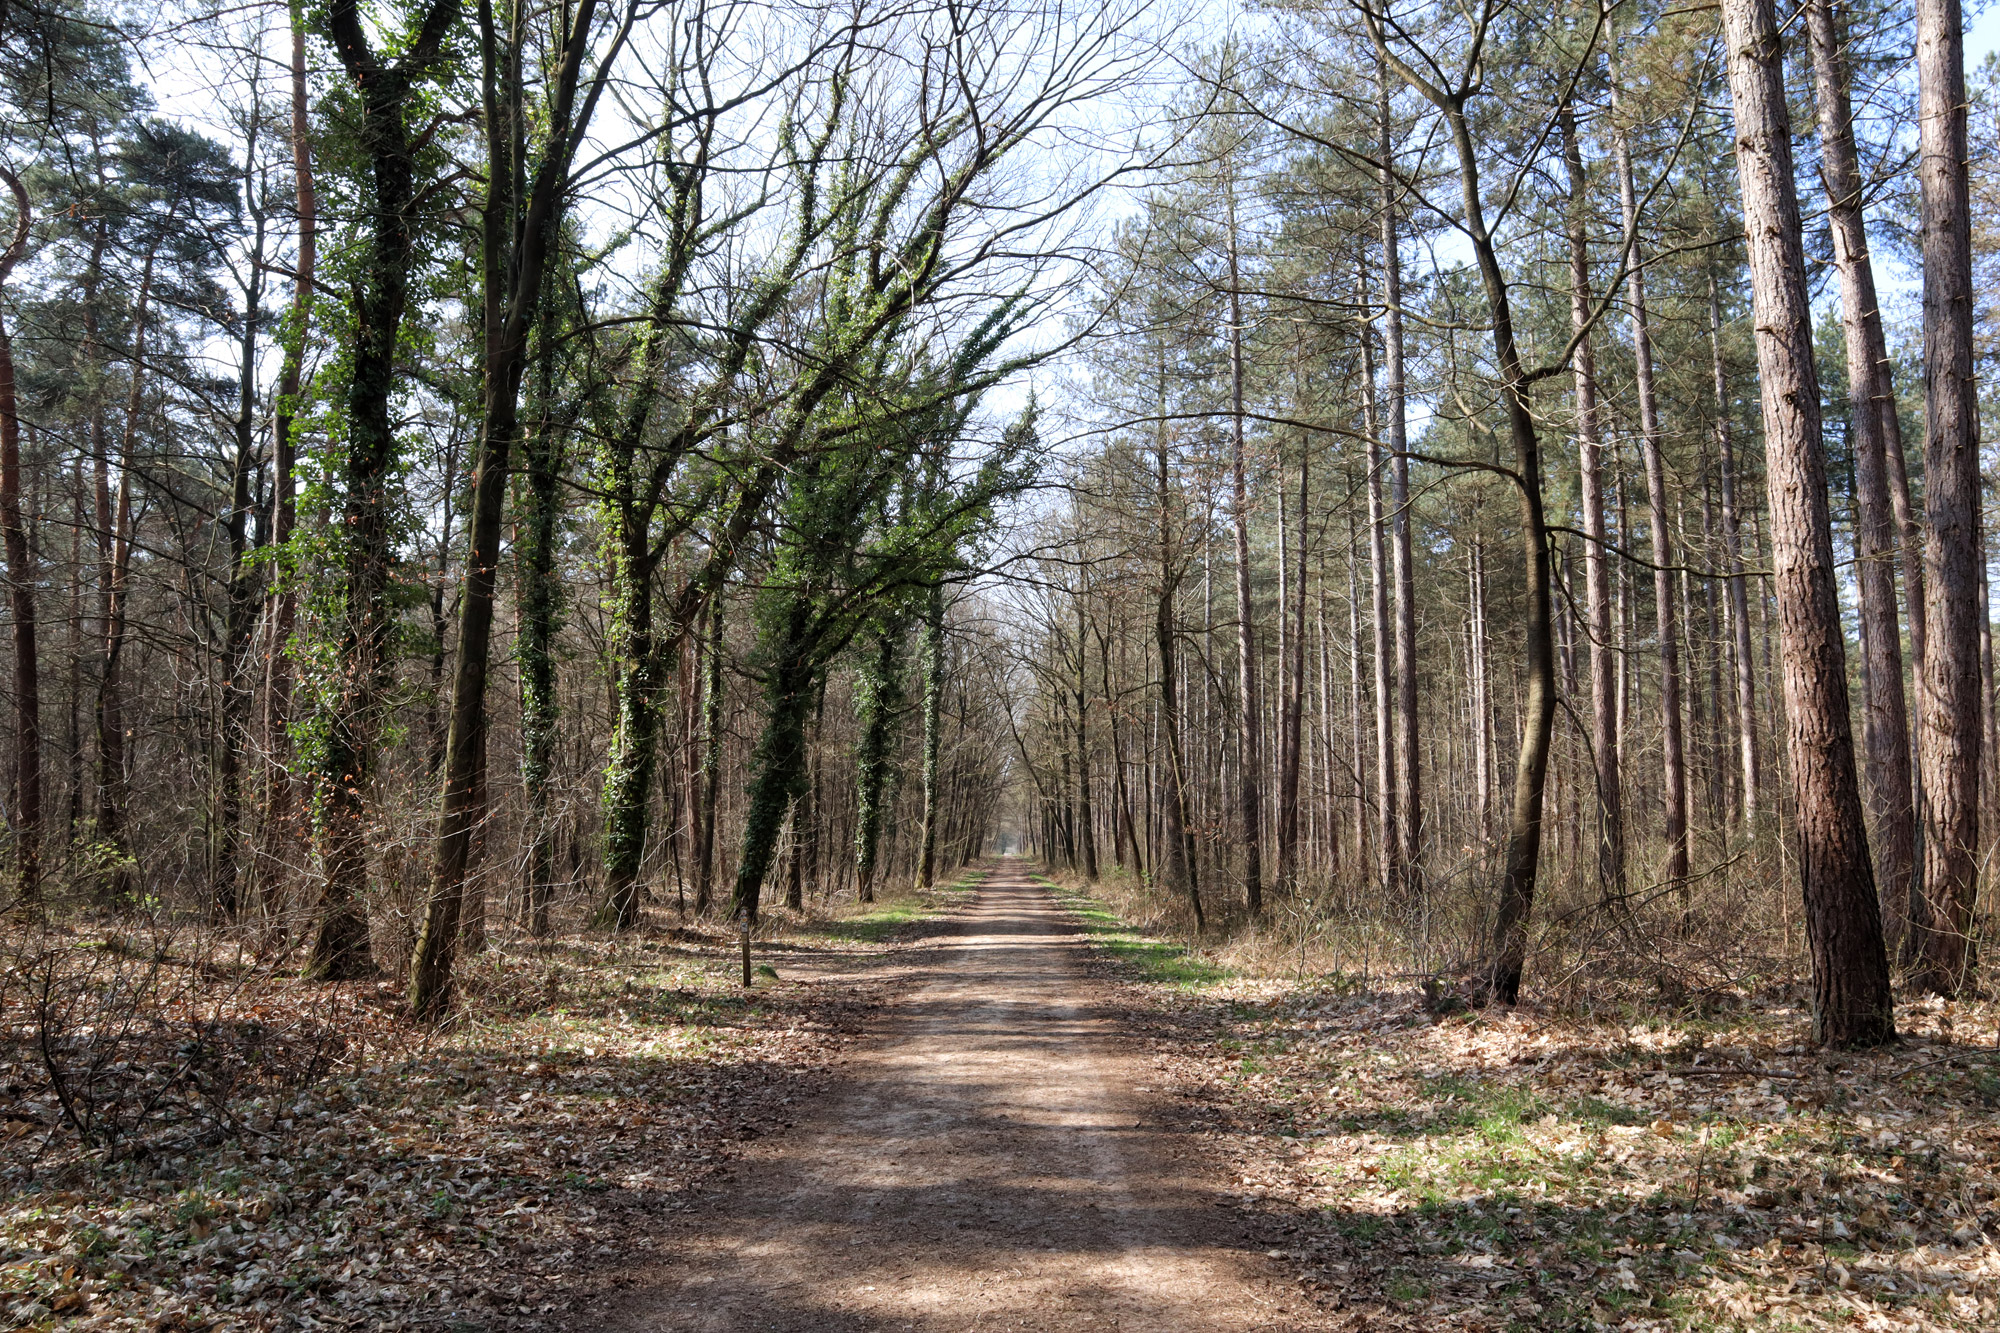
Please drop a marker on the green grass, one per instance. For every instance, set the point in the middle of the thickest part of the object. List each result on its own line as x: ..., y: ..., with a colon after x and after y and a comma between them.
x: 887, y: 919
x: 1148, y: 959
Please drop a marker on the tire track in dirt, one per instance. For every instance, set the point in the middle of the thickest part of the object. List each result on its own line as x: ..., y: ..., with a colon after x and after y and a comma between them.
x: 988, y: 1158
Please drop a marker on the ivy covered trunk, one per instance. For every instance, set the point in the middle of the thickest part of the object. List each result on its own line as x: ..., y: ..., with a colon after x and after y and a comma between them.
x: 347, y: 743
x: 711, y: 761
x: 628, y: 776
x: 880, y: 691
x: 778, y: 765
x: 933, y: 658
x: 539, y: 593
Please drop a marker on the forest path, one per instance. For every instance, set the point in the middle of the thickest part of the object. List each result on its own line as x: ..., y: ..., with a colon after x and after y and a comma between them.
x: 988, y: 1158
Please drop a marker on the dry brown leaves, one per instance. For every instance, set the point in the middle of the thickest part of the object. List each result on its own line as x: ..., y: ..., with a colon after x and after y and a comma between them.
x: 464, y: 1179
x: 1530, y: 1170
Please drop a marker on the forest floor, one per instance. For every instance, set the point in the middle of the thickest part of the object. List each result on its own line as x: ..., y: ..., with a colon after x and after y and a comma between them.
x: 999, y: 1107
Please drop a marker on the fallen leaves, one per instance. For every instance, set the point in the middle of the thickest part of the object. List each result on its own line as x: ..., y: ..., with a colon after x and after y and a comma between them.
x: 478, y: 1176
x: 1539, y: 1170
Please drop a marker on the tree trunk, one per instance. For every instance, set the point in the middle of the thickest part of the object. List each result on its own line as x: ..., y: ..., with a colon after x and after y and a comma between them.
x: 1524, y: 842
x: 1388, y: 805
x: 280, y: 801
x: 1249, y: 785
x: 1409, y: 784
x: 233, y: 745
x: 516, y: 236
x: 1086, y: 826
x: 933, y: 653
x: 778, y: 765
x: 21, y: 591
x: 711, y: 763
x: 880, y: 699
x: 347, y: 757
x: 538, y: 592
x: 1949, y: 716
x: 1673, y: 753
x: 1294, y: 667
x: 1596, y: 579
x: 1876, y: 538
x: 628, y: 774
x: 1482, y: 703
x: 1179, y: 861
x: 1851, y: 999
x: 1751, y: 770
x: 111, y: 794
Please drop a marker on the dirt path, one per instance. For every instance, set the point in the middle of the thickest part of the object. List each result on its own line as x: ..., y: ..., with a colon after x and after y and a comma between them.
x: 989, y: 1159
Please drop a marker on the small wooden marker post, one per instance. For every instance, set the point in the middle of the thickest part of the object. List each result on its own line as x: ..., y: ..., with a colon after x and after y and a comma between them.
x: 745, y: 927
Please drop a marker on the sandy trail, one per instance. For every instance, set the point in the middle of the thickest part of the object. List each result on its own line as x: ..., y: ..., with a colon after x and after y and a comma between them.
x: 990, y: 1158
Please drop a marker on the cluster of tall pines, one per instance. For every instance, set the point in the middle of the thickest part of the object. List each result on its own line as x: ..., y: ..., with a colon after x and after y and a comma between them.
x: 1534, y: 504
x: 1497, y: 467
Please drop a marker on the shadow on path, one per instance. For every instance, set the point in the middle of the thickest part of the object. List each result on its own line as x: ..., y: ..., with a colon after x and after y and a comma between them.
x: 991, y: 1159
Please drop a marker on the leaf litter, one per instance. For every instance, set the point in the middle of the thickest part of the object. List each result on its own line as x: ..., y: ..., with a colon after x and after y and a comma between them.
x: 1540, y: 1170
x: 464, y: 1179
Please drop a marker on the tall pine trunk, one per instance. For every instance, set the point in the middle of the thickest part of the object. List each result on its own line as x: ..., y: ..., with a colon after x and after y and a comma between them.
x: 1388, y: 835
x: 21, y: 590
x: 1673, y: 750
x: 1086, y: 815
x: 1950, y: 713
x: 1249, y: 791
x: 1876, y: 540
x: 1851, y: 998
x: 1596, y: 578
x: 1179, y: 876
x: 1409, y: 783
x: 1747, y: 755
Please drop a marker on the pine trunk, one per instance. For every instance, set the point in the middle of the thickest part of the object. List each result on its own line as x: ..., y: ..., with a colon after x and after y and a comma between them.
x: 1851, y: 998
x: 1950, y: 715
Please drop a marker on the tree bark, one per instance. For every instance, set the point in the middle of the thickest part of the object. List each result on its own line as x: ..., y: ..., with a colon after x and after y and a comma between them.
x: 933, y: 664
x: 1290, y: 756
x: 880, y: 699
x: 711, y: 763
x: 1249, y: 717
x: 1673, y: 752
x: 1876, y: 539
x: 1409, y: 784
x: 111, y: 786
x: 517, y: 234
x: 1508, y: 954
x: 1949, y: 714
x: 1596, y: 579
x: 347, y: 758
x: 1388, y: 804
x: 1179, y: 861
x: 280, y: 801
x: 21, y: 590
x: 1751, y: 770
x: 1851, y: 998
x: 1086, y: 819
x: 233, y: 745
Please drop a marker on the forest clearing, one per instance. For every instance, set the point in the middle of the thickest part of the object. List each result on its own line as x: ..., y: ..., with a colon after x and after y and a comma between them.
x: 958, y: 664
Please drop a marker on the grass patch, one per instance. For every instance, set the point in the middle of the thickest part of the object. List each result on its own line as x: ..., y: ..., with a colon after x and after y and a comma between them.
x: 889, y: 919
x: 1147, y: 958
